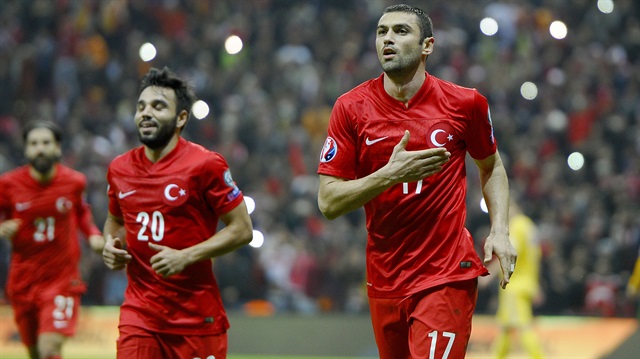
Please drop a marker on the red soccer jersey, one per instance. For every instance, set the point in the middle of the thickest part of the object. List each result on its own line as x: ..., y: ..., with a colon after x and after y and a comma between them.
x: 45, y: 250
x: 175, y: 202
x: 416, y: 234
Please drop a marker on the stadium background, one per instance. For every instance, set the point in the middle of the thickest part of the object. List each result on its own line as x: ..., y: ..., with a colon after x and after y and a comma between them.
x: 77, y: 63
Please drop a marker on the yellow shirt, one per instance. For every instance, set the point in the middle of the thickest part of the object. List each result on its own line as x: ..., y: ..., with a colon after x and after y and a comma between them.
x: 523, y: 235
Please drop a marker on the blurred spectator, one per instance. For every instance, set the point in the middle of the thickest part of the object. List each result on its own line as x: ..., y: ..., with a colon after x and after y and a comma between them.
x: 77, y: 63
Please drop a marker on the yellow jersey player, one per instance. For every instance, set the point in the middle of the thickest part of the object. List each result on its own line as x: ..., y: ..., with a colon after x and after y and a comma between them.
x: 515, y: 314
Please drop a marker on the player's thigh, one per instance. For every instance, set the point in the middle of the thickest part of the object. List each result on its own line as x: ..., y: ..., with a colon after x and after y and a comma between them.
x: 195, y: 346
x: 58, y: 312
x: 137, y: 343
x: 390, y: 328
x: 25, y: 314
x: 440, y: 320
x: 50, y: 344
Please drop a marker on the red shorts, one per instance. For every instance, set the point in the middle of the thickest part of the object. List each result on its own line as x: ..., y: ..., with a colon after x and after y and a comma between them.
x: 138, y: 343
x: 49, y: 312
x: 435, y: 323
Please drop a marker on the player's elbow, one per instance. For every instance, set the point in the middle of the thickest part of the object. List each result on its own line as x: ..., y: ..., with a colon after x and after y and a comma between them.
x: 245, y: 235
x: 329, y: 212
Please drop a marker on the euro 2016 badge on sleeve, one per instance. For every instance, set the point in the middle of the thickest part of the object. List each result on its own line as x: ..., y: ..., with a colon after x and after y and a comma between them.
x: 329, y: 150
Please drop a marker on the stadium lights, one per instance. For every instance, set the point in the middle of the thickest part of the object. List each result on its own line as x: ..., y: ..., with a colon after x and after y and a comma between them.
x: 529, y: 90
x: 575, y: 161
x: 558, y: 30
x: 250, y: 203
x: 489, y: 26
x: 200, y: 109
x: 483, y: 206
x: 233, y: 44
x: 606, y: 6
x: 147, y: 52
x: 258, y: 239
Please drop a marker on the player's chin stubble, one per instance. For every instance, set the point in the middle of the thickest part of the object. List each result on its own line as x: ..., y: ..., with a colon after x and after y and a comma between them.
x: 160, y: 138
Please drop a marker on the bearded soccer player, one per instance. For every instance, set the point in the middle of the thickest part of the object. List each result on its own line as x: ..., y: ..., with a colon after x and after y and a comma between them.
x: 42, y: 206
x: 165, y: 200
x: 396, y: 145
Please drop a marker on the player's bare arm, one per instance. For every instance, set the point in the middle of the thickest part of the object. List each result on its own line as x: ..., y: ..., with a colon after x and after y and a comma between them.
x: 338, y: 196
x: 495, y: 189
x: 9, y: 227
x: 114, y: 254
x: 96, y: 242
x: 238, y: 231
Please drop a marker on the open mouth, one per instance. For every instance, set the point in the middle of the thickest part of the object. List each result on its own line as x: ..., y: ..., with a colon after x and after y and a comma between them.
x: 147, y: 127
x: 388, y: 53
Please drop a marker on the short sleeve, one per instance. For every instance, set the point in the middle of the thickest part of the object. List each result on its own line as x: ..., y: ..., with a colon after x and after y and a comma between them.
x: 5, y: 201
x: 338, y: 154
x: 114, y: 206
x: 481, y: 142
x: 221, y: 191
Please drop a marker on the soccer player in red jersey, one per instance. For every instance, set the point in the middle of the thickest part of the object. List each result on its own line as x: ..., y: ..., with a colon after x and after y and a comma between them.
x: 396, y: 145
x: 165, y: 200
x: 42, y: 206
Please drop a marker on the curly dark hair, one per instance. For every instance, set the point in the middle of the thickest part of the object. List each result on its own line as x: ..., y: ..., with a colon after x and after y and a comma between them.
x: 167, y: 79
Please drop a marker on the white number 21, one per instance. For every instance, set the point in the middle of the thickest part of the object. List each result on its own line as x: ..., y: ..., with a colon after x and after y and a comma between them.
x: 434, y: 338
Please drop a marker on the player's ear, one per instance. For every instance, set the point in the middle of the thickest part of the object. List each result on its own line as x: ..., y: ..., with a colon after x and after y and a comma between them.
x: 183, y: 116
x: 427, y: 46
x: 58, y: 150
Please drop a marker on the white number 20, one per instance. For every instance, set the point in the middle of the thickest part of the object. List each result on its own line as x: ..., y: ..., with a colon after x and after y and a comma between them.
x: 155, y: 223
x: 434, y: 338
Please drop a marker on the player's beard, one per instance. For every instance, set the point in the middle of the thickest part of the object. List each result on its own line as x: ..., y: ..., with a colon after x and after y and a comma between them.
x: 401, y: 65
x: 44, y: 163
x: 161, y: 136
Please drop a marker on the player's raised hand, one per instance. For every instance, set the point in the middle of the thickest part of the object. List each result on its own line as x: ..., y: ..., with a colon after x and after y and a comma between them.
x: 167, y: 261
x: 113, y: 254
x: 411, y: 166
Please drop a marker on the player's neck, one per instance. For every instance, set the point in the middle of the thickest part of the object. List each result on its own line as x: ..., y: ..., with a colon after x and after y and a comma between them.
x: 404, y: 87
x: 155, y: 155
x: 43, y: 177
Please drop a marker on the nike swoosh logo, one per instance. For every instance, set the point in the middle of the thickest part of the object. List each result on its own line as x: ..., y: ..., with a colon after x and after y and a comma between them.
x: 371, y: 142
x: 22, y: 206
x: 126, y: 194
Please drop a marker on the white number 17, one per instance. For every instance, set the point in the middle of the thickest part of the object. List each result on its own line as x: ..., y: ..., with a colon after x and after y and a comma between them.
x: 434, y: 338
x: 405, y: 187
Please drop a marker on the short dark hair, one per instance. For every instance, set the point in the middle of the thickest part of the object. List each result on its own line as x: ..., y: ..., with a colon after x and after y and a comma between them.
x: 51, y: 126
x: 166, y: 78
x: 426, y: 26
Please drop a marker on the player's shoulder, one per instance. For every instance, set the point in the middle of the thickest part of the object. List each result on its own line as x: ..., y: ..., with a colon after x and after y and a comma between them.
x: 70, y: 173
x: 361, y: 92
x: 454, y: 91
x: 126, y: 160
x: 198, y: 153
x: 15, y: 174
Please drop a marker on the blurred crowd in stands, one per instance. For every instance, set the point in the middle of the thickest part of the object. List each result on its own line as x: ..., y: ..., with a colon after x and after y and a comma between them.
x: 77, y: 63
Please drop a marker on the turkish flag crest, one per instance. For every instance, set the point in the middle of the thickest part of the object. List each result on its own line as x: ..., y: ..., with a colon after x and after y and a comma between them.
x: 175, y: 192
x: 441, y: 135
